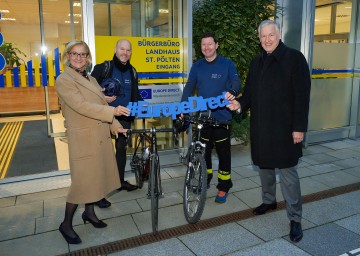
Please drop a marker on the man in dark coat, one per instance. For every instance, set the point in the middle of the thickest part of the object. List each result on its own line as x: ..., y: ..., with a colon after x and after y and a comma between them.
x: 120, y: 69
x: 277, y: 91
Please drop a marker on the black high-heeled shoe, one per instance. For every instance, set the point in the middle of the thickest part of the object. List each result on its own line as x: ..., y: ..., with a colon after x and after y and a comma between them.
x: 99, y: 224
x: 69, y: 239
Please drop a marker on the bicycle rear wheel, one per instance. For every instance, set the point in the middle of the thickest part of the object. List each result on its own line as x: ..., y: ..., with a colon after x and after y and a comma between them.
x: 155, y: 191
x: 138, y: 168
x: 195, y: 187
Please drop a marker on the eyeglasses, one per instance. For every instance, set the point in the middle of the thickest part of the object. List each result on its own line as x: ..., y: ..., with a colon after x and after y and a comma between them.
x: 82, y: 55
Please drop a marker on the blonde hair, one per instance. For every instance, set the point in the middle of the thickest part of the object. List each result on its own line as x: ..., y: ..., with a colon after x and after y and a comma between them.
x: 68, y: 48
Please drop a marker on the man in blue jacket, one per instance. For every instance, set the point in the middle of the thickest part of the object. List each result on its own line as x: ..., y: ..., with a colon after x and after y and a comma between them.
x: 211, y: 76
x: 277, y: 92
x: 122, y: 71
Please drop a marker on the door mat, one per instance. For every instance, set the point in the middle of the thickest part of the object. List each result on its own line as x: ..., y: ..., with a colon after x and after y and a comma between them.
x: 32, y: 150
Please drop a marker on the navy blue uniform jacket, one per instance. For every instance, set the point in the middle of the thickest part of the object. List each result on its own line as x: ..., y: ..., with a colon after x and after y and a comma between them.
x: 277, y: 91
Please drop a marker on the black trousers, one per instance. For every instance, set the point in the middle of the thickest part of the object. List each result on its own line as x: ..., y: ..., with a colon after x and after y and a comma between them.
x: 220, y: 138
x: 120, y: 145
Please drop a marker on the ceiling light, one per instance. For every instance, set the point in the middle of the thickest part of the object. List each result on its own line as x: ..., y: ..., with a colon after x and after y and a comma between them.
x: 43, y: 49
x: 163, y: 11
x: 12, y: 19
x: 75, y: 15
x: 76, y: 4
x: 68, y: 21
x: 5, y: 11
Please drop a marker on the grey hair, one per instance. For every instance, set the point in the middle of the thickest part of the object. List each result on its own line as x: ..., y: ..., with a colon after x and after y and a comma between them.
x: 267, y: 23
x: 68, y: 49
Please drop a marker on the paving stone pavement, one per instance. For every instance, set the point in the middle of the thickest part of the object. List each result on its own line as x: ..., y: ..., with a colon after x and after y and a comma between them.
x: 32, y: 209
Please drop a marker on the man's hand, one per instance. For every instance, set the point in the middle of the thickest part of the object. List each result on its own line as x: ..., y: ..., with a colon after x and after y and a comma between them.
x: 121, y: 111
x: 110, y: 99
x: 298, y: 137
x: 120, y: 130
x: 229, y: 96
x: 234, y: 105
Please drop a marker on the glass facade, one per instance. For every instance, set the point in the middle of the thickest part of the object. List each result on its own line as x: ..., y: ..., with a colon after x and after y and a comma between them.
x: 33, y: 137
x: 31, y: 124
x: 334, y: 93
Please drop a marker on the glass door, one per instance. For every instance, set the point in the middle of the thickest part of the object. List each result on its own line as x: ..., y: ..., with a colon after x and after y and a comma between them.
x: 149, y: 25
x: 35, y: 31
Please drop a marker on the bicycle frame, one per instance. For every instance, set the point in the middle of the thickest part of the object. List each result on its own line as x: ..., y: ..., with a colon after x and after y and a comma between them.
x: 154, y: 184
x: 196, y: 146
x: 195, y: 185
x: 140, y: 160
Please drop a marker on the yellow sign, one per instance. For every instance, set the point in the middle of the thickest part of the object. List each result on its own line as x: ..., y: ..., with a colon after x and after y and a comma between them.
x: 149, y: 54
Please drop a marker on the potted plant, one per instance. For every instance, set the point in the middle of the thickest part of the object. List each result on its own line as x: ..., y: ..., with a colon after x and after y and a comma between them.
x: 11, y: 54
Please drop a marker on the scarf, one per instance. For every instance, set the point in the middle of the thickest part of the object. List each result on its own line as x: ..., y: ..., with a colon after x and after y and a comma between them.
x: 122, y: 67
x: 81, y: 72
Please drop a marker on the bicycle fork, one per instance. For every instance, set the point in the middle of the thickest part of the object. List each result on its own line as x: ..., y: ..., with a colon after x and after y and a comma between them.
x: 157, y: 190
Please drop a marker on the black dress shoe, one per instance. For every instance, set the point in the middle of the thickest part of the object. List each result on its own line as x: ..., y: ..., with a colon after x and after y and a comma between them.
x: 296, y: 233
x: 103, y: 203
x: 127, y: 186
x: 263, y: 208
x: 99, y: 224
x: 69, y: 239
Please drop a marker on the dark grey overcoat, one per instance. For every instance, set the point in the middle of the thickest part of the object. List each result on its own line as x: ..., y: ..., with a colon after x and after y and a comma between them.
x: 277, y: 91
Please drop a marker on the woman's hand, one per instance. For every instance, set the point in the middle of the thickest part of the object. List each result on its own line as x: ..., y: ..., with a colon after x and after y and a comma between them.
x: 120, y: 130
x: 110, y: 99
x: 121, y: 111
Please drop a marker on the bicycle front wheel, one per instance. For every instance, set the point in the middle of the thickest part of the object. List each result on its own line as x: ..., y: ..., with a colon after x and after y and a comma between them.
x: 195, y: 187
x: 155, y: 191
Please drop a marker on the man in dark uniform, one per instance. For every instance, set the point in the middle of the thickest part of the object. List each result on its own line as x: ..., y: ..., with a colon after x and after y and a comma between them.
x: 277, y: 91
x: 120, y: 69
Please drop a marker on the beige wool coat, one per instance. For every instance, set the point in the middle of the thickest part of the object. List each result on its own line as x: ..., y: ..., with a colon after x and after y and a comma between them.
x: 89, y: 120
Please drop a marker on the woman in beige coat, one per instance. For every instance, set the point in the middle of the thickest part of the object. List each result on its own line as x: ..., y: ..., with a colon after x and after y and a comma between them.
x: 89, y: 120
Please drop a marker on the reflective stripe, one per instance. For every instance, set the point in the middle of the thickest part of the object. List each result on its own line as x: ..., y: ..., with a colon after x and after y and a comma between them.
x: 222, y: 140
x: 204, y: 139
x: 209, y: 171
x: 222, y: 175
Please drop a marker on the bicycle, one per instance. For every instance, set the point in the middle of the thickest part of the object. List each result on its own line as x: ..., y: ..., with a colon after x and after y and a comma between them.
x: 140, y: 162
x: 195, y: 185
x: 154, y: 183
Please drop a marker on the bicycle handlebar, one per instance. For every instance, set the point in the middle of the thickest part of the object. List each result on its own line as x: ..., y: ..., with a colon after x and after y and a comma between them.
x: 151, y: 130
x: 205, y: 120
